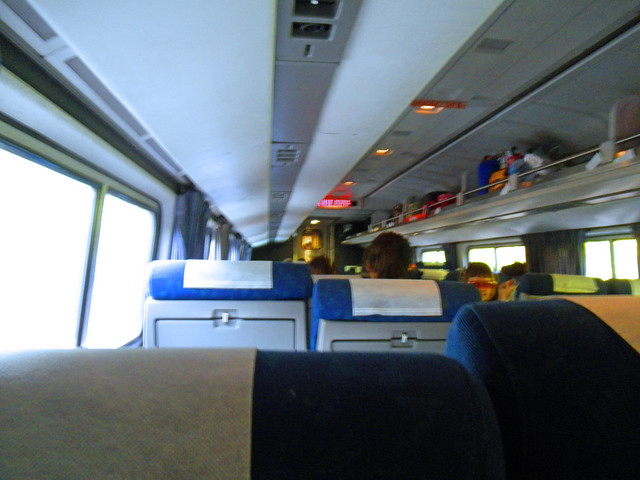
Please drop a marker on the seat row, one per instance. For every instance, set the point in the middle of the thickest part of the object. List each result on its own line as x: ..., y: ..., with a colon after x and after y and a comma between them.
x: 277, y: 305
x: 281, y: 306
x: 525, y: 390
x: 532, y: 285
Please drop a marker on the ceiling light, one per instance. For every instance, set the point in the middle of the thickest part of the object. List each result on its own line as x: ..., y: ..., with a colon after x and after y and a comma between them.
x: 383, y: 151
x: 315, y: 2
x: 431, y: 107
x: 314, y: 222
x: 428, y: 110
x: 348, y: 183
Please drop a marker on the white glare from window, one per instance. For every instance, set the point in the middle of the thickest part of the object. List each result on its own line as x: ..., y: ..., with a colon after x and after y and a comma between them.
x: 625, y: 258
x: 433, y: 257
x: 510, y: 255
x: 484, y: 255
x: 598, y: 259
x: 46, y: 222
x: 124, y: 249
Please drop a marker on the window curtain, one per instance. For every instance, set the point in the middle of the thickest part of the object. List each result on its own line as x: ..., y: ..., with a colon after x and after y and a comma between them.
x: 192, y: 213
x: 636, y: 233
x: 451, y: 255
x: 220, y: 242
x: 555, y: 252
x: 235, y: 245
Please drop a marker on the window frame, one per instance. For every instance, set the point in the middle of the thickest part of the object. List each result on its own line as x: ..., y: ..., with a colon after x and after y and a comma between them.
x: 439, y: 248
x: 512, y: 242
x: 104, y: 184
x: 622, y: 232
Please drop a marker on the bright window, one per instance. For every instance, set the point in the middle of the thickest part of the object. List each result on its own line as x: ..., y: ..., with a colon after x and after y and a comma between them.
x: 607, y: 259
x: 433, y: 257
x: 47, y: 239
x: 46, y: 222
x: 124, y: 249
x: 498, y: 257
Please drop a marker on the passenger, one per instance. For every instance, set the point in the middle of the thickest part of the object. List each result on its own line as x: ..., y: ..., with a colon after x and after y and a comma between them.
x: 480, y: 275
x: 388, y: 256
x: 321, y: 265
x: 510, y: 275
x: 514, y: 270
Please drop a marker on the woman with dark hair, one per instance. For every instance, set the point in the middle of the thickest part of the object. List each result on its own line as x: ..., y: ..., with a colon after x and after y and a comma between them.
x: 388, y: 256
x: 321, y: 265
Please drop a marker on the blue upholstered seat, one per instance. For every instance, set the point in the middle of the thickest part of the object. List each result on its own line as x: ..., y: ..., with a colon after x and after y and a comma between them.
x: 542, y: 284
x: 206, y: 303
x: 334, y: 326
x: 619, y: 286
x: 565, y: 386
x: 148, y: 414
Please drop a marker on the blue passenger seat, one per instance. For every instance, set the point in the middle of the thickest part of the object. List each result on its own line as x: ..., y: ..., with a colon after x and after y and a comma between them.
x: 619, y: 286
x: 208, y: 303
x: 565, y: 385
x: 175, y: 414
x: 532, y: 285
x: 400, y: 316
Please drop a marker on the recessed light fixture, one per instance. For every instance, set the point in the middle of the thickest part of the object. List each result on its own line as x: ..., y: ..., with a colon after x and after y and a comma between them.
x: 314, y: 222
x: 383, y: 151
x: 348, y: 183
x: 431, y: 107
x: 428, y: 110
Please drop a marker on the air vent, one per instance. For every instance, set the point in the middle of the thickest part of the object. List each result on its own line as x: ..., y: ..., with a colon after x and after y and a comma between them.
x: 85, y: 73
x: 316, y: 8
x: 400, y: 133
x: 287, y: 156
x: 493, y: 45
x: 280, y: 196
x: 31, y: 18
x: 311, y: 31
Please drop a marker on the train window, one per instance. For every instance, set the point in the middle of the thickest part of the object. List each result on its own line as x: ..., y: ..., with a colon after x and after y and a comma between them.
x: 75, y: 253
x: 616, y: 258
x: 124, y: 249
x: 46, y: 222
x: 433, y: 257
x: 497, y: 257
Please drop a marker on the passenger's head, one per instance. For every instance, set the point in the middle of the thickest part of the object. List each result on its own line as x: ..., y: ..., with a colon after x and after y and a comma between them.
x: 321, y: 264
x: 480, y: 275
x: 388, y: 256
x: 514, y: 270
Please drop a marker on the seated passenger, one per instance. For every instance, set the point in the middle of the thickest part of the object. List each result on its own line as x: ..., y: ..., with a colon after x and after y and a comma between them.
x: 321, y: 265
x: 480, y: 275
x: 388, y: 256
x: 509, y: 275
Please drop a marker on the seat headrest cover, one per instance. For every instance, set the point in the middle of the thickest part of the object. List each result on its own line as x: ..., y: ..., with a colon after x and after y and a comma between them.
x: 127, y: 413
x: 227, y: 274
x: 395, y: 297
x: 290, y: 281
x: 620, y: 312
x: 573, y: 284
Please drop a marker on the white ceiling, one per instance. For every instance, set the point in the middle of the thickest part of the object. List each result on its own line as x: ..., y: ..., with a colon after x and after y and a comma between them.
x: 211, y: 89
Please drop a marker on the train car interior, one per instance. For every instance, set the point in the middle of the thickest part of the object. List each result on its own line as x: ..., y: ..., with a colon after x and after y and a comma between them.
x: 171, y: 170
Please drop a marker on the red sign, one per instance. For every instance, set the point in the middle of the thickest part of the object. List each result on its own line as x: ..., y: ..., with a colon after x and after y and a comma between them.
x: 334, y: 203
